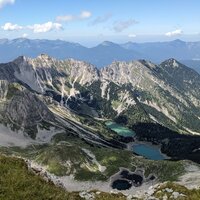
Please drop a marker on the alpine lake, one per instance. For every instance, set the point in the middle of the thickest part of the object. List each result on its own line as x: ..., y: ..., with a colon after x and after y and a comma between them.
x: 146, y: 150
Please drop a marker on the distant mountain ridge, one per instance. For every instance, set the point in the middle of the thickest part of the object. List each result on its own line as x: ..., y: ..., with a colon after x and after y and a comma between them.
x: 102, y: 54
x: 142, y: 91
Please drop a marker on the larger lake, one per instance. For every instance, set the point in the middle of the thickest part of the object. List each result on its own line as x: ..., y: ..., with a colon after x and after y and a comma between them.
x: 148, y: 151
x: 143, y: 149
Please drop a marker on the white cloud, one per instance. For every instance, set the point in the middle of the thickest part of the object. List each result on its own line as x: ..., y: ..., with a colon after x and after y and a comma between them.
x: 25, y: 35
x: 85, y: 15
x: 68, y: 18
x: 65, y: 18
x: 5, y: 2
x: 46, y: 27
x: 132, y: 35
x: 101, y: 19
x: 37, y: 28
x: 122, y: 25
x: 11, y: 27
x: 174, y: 33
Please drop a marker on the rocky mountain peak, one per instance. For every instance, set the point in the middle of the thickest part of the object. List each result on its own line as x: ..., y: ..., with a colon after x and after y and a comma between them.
x: 44, y: 60
x: 20, y: 60
x: 44, y: 56
x: 172, y: 63
x: 147, y: 64
x: 133, y: 72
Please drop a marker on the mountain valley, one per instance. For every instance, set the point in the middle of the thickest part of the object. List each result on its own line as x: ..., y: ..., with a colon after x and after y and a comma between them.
x: 53, y: 114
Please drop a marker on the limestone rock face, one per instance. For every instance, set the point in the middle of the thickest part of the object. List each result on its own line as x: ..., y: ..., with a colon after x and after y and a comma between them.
x: 26, y: 109
x: 167, y: 94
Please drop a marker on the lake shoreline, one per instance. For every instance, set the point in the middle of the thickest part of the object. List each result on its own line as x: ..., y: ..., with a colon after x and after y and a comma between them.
x: 126, y: 132
x: 138, y: 142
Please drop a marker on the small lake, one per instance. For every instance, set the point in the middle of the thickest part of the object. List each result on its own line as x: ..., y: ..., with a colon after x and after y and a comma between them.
x: 143, y: 149
x: 125, y: 179
x: 120, y: 130
x: 121, y: 185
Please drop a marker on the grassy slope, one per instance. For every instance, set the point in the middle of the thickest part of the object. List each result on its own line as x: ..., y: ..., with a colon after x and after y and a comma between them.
x: 17, y: 183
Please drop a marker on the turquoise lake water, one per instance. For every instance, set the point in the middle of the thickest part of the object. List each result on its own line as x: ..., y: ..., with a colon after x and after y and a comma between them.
x: 120, y: 130
x: 146, y: 150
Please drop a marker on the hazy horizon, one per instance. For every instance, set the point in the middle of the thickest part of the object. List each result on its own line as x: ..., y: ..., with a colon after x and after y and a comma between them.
x: 95, y: 43
x: 91, y: 22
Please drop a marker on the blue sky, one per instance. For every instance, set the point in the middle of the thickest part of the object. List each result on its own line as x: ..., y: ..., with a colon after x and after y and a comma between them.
x: 93, y: 21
